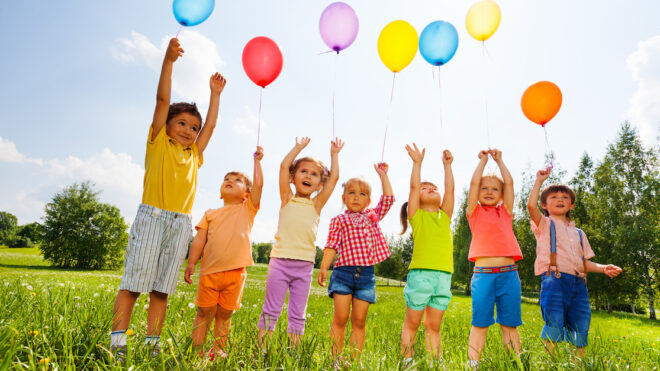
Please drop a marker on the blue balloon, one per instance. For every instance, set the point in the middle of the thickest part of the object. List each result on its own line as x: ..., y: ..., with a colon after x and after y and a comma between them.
x: 192, y: 12
x: 438, y: 42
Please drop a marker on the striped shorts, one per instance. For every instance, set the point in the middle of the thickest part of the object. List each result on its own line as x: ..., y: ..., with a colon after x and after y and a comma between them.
x: 157, y: 245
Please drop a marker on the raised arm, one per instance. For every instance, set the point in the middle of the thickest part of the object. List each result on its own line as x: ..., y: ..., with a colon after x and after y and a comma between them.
x: 285, y: 177
x: 533, y: 201
x: 448, y: 198
x: 330, y: 183
x: 381, y: 169
x: 258, y: 176
x: 195, y: 253
x: 174, y: 51
x: 473, y: 194
x: 507, y: 192
x: 415, y: 178
x: 217, y: 84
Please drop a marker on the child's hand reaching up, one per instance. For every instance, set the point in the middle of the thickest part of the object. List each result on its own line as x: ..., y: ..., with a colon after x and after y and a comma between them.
x: 381, y: 168
x: 217, y: 83
x: 447, y: 157
x: 415, y: 154
x: 174, y: 50
x: 611, y: 270
x: 483, y: 155
x: 496, y: 154
x: 542, y: 175
x: 336, y: 146
x: 259, y: 154
x: 302, y: 142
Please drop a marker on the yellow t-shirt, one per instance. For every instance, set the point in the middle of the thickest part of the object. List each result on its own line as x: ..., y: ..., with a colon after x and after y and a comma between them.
x: 296, y: 231
x: 228, y: 237
x: 170, y: 173
x: 433, y: 246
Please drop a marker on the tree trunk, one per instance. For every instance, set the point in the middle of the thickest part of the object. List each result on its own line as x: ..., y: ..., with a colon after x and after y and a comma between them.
x: 649, y: 288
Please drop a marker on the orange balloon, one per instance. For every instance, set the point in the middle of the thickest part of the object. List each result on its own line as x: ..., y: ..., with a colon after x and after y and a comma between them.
x: 541, y: 102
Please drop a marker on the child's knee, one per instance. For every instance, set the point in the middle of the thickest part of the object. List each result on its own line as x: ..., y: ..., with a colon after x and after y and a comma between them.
x: 205, y: 312
x: 340, y: 319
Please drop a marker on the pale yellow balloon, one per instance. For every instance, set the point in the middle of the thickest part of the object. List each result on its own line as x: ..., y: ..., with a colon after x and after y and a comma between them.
x: 397, y: 45
x: 482, y: 19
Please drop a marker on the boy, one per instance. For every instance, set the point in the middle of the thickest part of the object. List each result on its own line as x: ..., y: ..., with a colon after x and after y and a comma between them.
x: 162, y: 228
x: 223, y: 239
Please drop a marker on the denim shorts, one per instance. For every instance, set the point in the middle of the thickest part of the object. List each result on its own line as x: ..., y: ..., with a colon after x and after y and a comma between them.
x: 425, y: 287
x: 565, y: 309
x: 353, y: 280
x: 501, y: 290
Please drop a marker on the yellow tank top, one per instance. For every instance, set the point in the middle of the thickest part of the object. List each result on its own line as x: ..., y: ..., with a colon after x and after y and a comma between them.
x: 296, y: 231
x: 433, y: 247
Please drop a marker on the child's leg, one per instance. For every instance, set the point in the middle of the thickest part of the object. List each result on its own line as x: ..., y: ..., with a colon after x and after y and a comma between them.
x: 277, y: 285
x: 299, y: 287
x: 477, y: 342
x: 123, y: 309
x: 342, y: 305
x: 221, y: 328
x: 156, y: 312
x: 432, y: 323
x: 358, y: 326
x: 410, y: 326
x: 201, y: 325
x: 483, y: 310
x: 509, y: 314
x: 510, y: 338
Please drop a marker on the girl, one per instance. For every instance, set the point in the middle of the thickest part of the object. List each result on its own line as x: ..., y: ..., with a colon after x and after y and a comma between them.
x: 357, y: 238
x: 429, y: 280
x: 562, y: 253
x: 494, y: 251
x: 292, y: 256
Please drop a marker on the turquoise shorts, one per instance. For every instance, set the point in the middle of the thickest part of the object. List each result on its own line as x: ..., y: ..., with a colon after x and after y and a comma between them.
x: 427, y: 288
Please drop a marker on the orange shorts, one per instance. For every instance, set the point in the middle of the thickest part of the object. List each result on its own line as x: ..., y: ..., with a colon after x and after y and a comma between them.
x: 221, y: 288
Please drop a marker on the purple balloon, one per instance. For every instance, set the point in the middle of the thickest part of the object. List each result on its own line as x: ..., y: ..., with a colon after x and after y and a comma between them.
x: 339, y: 26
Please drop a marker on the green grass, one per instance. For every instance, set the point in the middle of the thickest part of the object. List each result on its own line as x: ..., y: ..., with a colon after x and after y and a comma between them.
x: 64, y: 316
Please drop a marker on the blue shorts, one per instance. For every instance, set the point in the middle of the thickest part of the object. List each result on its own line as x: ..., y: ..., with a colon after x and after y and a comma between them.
x: 425, y: 287
x: 565, y: 309
x: 352, y: 280
x: 501, y: 290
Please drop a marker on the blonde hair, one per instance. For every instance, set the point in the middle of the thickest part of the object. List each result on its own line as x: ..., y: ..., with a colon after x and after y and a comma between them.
x: 362, y: 183
x: 492, y: 176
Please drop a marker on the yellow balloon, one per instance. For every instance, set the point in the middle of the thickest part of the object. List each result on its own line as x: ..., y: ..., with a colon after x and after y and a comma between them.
x: 482, y: 19
x: 397, y: 45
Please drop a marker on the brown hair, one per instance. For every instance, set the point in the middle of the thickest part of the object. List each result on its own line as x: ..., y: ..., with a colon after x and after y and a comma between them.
x: 296, y: 164
x: 364, y: 185
x: 248, y: 182
x: 404, y: 210
x: 557, y: 188
x: 182, y: 107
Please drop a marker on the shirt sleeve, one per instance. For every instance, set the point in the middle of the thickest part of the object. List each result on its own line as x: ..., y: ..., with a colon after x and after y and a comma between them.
x: 543, y: 227
x: 384, y: 205
x: 334, y: 235
x: 588, y: 252
x: 204, y: 223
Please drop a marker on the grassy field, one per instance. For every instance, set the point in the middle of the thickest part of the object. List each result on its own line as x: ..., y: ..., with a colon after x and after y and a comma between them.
x: 59, y: 319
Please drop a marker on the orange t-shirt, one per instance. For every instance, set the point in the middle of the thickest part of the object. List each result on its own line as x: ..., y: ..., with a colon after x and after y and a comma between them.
x: 492, y: 233
x: 228, y: 237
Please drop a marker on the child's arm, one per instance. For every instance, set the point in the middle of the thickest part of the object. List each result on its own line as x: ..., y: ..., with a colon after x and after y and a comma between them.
x: 333, y: 177
x: 381, y: 169
x: 473, y: 194
x: 258, y: 176
x: 328, y: 257
x: 610, y: 270
x: 507, y: 192
x: 415, y: 178
x: 174, y: 51
x: 217, y: 84
x: 285, y: 177
x: 533, y: 201
x: 448, y: 199
x: 195, y: 252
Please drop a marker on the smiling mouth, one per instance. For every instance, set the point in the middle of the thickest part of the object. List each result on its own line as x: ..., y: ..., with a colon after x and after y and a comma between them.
x: 307, y: 184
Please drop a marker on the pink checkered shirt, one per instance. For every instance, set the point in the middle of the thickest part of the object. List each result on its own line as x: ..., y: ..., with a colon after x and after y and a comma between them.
x: 357, y: 238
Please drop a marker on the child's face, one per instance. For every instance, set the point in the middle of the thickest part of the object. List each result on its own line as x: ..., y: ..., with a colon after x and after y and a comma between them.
x: 429, y: 195
x: 307, y: 179
x: 183, y: 128
x: 233, y: 188
x: 558, y: 203
x: 490, y: 192
x: 355, y: 197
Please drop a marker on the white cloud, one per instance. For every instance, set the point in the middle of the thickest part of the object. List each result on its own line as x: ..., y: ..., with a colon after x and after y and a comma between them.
x: 248, y: 123
x: 9, y: 153
x: 644, y: 109
x: 190, y: 79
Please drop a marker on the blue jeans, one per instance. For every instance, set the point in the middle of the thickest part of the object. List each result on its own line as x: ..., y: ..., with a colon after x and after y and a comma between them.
x: 565, y: 308
x: 352, y: 280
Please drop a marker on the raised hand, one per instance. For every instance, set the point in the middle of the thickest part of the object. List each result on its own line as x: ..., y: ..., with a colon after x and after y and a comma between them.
x: 174, y: 50
x: 447, y: 157
x: 415, y: 154
x: 496, y: 154
x: 217, y: 83
x: 302, y: 142
x: 336, y: 146
x: 483, y: 155
x: 381, y: 168
x: 259, y: 154
x: 542, y: 175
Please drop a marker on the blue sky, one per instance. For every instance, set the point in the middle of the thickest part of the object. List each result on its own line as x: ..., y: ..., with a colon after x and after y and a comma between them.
x: 79, y: 83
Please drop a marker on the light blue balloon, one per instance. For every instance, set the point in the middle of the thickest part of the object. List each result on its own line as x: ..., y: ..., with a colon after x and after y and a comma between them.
x: 192, y: 12
x: 438, y: 42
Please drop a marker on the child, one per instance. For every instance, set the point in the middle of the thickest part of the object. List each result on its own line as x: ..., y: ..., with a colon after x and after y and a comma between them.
x: 429, y: 280
x: 223, y: 242
x: 357, y: 238
x: 562, y: 260
x: 292, y: 257
x: 162, y: 229
x: 494, y: 250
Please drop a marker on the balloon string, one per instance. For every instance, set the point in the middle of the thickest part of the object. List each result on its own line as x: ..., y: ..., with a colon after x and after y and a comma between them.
x: 256, y: 174
x: 177, y: 32
x: 548, y: 151
x: 334, y: 90
x: 483, y: 49
x: 326, y: 52
x: 440, y: 105
x: 387, y: 123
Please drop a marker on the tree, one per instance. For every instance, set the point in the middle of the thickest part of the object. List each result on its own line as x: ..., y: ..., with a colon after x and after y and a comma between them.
x: 463, y: 268
x: 81, y: 232
x: 261, y: 252
x: 31, y: 231
x: 396, y: 266
x: 8, y: 223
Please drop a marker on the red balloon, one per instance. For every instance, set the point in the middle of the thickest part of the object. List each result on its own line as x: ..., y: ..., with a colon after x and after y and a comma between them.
x: 262, y: 60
